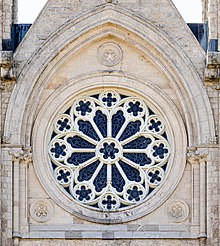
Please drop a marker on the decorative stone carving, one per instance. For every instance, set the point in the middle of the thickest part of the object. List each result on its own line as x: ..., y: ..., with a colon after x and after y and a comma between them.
x: 196, y: 155
x: 107, y: 156
x: 17, y: 154
x: 27, y: 155
x: 41, y: 210
x: 178, y: 211
x: 110, y: 54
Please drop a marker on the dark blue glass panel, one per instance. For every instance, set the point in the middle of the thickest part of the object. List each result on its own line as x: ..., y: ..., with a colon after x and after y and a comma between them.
x: 64, y: 124
x: 155, y: 125
x: 67, y: 111
x: 109, y: 99
x: 63, y: 176
x: 134, y: 194
x: 54, y: 134
x: 87, y: 129
x: 138, y: 143
x: 150, y: 112
x: 134, y: 108
x: 131, y: 173
x: 165, y: 135
x: 79, y: 143
x: 123, y: 205
x: 86, y: 173
x: 78, y: 158
x: 109, y: 150
x: 100, y: 181
x: 155, y: 176
x: 95, y: 96
x: 118, y: 120
x: 84, y: 108
x: 117, y: 179
x: 58, y: 150
x: 138, y: 158
x: 83, y: 193
x: 165, y: 167
x: 131, y: 129
x: 109, y: 202
x: 54, y: 166
x: 100, y: 120
x: 160, y: 151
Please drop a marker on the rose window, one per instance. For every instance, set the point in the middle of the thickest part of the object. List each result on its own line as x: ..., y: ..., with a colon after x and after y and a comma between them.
x: 109, y: 151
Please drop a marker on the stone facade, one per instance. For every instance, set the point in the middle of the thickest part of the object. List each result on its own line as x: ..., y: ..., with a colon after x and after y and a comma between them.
x: 72, y: 54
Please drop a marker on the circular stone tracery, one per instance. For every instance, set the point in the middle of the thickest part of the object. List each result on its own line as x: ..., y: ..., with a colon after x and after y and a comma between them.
x: 109, y: 151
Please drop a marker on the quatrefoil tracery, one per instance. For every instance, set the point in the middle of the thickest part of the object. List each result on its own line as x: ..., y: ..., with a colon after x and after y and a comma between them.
x: 109, y: 151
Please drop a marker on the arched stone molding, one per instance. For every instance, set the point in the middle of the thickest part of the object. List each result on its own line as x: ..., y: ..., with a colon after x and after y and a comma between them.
x: 147, y: 37
x: 156, y: 98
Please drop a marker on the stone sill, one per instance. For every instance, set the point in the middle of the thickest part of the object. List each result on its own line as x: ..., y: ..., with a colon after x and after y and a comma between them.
x: 112, y: 232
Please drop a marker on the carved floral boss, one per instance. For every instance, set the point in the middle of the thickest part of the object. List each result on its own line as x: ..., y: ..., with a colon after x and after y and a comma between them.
x: 109, y: 150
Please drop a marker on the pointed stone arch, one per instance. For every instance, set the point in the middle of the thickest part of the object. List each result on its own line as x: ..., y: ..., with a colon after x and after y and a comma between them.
x: 146, y: 36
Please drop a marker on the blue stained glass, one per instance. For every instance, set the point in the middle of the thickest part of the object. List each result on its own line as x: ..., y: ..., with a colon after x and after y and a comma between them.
x: 118, y: 120
x: 109, y: 202
x: 155, y: 176
x: 134, y: 108
x: 160, y: 151
x: 109, y: 100
x: 138, y: 158
x: 58, y: 150
x: 100, y: 181
x: 84, y: 108
x: 83, y: 193
x: 63, y: 176
x: 131, y: 173
x: 109, y: 150
x: 81, y: 135
x: 131, y: 129
x: 138, y: 143
x: 117, y: 179
x: 63, y: 124
x: 79, y: 158
x: 86, y: 173
x: 79, y: 143
x: 165, y: 135
x: 87, y: 129
x: 134, y: 194
x: 100, y: 120
x: 155, y: 125
x: 67, y: 111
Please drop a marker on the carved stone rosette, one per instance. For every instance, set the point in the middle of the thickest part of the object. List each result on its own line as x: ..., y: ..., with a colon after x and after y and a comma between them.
x: 41, y: 210
x: 177, y: 211
x: 110, y: 54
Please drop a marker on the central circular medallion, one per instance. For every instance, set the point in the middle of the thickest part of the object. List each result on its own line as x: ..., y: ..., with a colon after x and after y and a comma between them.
x: 109, y: 150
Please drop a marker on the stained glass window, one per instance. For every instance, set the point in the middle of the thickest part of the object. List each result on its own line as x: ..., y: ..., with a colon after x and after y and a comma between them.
x: 109, y: 151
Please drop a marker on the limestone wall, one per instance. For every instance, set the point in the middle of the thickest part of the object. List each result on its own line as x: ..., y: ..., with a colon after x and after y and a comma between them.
x: 59, y: 60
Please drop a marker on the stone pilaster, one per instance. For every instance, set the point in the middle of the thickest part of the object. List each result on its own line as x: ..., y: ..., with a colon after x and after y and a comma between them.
x: 24, y: 177
x: 197, y: 157
x: 17, y: 156
x: 20, y: 159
